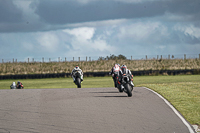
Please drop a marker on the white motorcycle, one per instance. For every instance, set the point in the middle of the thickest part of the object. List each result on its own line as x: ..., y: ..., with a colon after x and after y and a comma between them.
x: 77, y: 76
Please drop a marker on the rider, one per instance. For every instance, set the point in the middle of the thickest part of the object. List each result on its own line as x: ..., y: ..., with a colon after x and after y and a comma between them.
x: 124, y: 70
x: 19, y: 84
x: 115, y: 72
x: 74, y: 70
x: 13, y: 86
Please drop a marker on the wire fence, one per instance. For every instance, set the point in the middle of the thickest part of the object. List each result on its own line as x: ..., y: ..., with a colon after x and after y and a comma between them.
x: 96, y: 58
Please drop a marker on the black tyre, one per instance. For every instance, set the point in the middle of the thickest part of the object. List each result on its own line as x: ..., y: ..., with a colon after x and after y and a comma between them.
x: 78, y: 82
x: 128, y: 89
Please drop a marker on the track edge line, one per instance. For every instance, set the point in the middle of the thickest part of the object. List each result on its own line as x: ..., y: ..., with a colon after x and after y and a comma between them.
x: 191, y: 130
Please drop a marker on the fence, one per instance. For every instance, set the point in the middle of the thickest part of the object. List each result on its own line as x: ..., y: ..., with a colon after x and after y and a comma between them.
x: 95, y: 58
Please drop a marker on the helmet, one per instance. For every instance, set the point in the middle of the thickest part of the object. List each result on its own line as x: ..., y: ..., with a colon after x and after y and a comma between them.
x: 116, y: 68
x: 123, y: 67
x: 18, y: 82
x: 117, y: 64
x: 77, y: 67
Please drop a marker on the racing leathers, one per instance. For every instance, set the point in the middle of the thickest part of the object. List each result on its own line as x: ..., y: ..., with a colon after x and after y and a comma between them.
x: 19, y: 85
x: 75, y: 70
x: 115, y: 73
x: 124, y: 70
x: 13, y: 86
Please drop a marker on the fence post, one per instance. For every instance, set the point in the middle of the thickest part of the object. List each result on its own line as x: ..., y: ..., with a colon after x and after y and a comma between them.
x: 65, y: 59
x: 161, y: 57
x: 146, y: 57
x: 43, y: 59
x: 86, y: 58
x: 184, y: 56
x: 131, y: 57
x: 73, y: 58
x: 28, y: 60
x: 79, y: 59
x: 13, y: 60
x: 16, y: 60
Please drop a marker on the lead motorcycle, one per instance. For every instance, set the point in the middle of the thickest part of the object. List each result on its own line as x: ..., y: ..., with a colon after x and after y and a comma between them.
x: 77, y: 75
x: 126, y: 84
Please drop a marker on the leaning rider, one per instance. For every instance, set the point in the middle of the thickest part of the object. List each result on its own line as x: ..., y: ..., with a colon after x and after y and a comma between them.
x: 13, y: 86
x: 115, y: 72
x: 74, y: 70
x: 125, y: 70
x: 19, y: 84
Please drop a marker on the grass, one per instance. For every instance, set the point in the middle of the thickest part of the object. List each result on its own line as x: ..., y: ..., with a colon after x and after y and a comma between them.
x: 182, y: 91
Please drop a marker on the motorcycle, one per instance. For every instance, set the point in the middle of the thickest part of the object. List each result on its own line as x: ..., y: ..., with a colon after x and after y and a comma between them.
x: 13, y: 86
x: 126, y: 84
x: 115, y: 76
x: 77, y: 75
x: 116, y: 82
x: 20, y: 86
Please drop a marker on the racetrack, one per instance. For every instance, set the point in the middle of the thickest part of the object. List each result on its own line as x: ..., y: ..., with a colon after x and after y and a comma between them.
x: 86, y: 110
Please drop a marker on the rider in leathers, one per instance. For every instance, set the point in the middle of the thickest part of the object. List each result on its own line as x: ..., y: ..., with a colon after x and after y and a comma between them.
x: 124, y: 70
x: 74, y: 70
x: 115, y: 73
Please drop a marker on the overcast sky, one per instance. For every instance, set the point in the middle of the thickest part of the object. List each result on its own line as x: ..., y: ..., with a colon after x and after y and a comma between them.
x: 93, y: 28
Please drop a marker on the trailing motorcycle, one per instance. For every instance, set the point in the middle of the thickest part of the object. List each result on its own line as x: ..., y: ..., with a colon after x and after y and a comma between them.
x: 116, y: 82
x: 115, y: 76
x: 126, y: 84
x: 77, y: 75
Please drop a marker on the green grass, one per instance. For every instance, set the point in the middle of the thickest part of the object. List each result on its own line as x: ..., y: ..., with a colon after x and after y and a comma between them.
x: 182, y: 91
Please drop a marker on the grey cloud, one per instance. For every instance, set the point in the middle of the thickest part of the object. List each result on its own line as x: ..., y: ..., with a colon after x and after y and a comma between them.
x: 61, y: 12
x: 54, y: 15
x: 9, y: 13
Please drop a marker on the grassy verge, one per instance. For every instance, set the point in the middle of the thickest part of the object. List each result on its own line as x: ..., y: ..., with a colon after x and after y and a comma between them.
x: 183, y: 91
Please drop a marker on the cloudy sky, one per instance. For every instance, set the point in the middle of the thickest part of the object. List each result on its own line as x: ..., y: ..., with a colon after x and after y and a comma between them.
x: 93, y: 28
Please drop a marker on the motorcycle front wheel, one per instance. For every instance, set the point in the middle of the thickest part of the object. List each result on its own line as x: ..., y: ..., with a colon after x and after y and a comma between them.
x: 128, y: 90
x: 78, y: 82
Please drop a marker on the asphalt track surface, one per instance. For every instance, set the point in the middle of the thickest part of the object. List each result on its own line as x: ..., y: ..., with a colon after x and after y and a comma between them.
x: 87, y: 110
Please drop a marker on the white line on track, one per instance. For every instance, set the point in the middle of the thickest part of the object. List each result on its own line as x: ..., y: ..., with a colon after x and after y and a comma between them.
x: 175, y: 111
